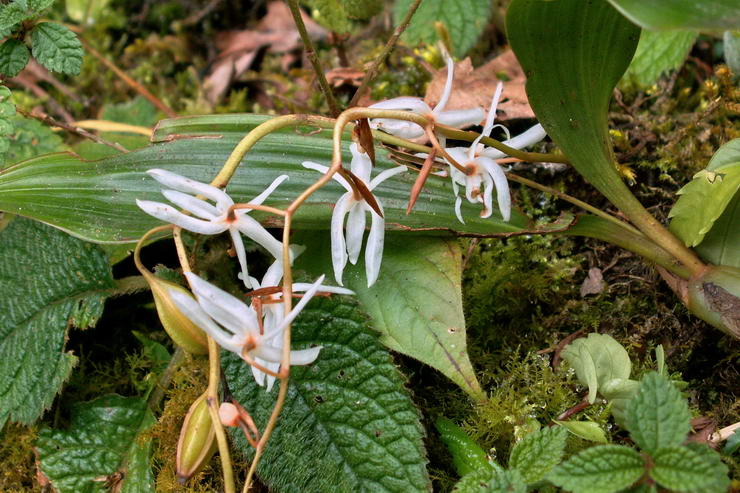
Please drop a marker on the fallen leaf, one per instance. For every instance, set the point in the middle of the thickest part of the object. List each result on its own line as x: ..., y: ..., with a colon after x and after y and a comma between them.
x: 594, y: 283
x: 475, y: 87
x: 237, y: 50
x: 341, y: 76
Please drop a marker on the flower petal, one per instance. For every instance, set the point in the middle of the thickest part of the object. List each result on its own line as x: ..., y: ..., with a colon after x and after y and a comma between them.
x: 487, y: 195
x: 338, y: 247
x: 227, y: 310
x: 374, y: 248
x: 355, y: 231
x: 304, y: 356
x: 169, y: 214
x: 325, y: 169
x: 297, y: 308
x: 275, y: 183
x: 182, y: 184
x: 458, y: 212
x: 385, y: 174
x: 448, y: 86
x: 502, y: 185
x: 191, y: 309
x: 361, y: 164
x: 251, y: 228
x: 195, y: 206
x: 400, y: 128
x: 521, y: 141
x: 403, y: 103
x: 241, y: 254
x: 461, y: 118
x: 304, y: 286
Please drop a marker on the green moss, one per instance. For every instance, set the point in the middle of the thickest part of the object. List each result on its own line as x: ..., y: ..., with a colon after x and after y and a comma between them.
x: 17, y: 473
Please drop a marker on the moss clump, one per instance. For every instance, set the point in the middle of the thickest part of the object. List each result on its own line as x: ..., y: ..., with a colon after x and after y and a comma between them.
x: 17, y: 459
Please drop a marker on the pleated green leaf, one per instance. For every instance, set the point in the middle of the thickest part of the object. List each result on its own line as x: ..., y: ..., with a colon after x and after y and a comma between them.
x: 699, y: 15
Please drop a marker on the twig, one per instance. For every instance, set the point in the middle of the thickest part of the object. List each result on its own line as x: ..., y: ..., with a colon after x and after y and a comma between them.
x: 574, y: 410
x: 370, y: 74
x: 313, y: 57
x: 43, y: 117
x: 128, y: 80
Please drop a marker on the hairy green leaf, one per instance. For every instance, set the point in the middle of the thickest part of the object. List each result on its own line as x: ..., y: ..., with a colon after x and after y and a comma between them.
x: 693, y: 469
x: 537, y: 453
x: 348, y: 422
x: 416, y: 304
x: 31, y: 138
x: 658, y: 416
x: 597, y: 359
x: 38, y: 5
x: 48, y: 280
x: 14, y: 56
x: 731, y: 42
x: 572, y: 66
x: 96, y: 200
x: 588, y: 430
x: 492, y: 481
x: 56, y: 48
x: 657, y: 53
x: 699, y: 15
x: 601, y: 469
x: 464, y: 20
x: 102, y: 440
x: 467, y: 456
x: 10, y: 15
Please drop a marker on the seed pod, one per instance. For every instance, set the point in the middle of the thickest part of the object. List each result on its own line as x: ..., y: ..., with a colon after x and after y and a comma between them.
x: 715, y: 297
x: 197, y: 442
x: 180, y: 328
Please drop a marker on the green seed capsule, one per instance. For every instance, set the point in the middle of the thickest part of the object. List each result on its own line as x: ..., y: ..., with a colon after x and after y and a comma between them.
x: 183, y: 332
x: 197, y: 442
x: 715, y: 297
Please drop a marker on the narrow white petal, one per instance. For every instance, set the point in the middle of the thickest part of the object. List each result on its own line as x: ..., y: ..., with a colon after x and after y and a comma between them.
x: 374, y: 248
x: 384, y: 175
x: 458, y: 212
x: 304, y: 286
x: 251, y: 228
x: 183, y: 184
x: 361, y: 164
x: 261, y: 197
x: 270, y: 379
x: 169, y: 214
x: 521, y: 141
x: 227, y: 310
x: 502, y: 186
x: 269, y: 354
x: 448, y: 86
x: 325, y: 169
x: 274, y: 274
x: 492, y: 110
x: 400, y: 128
x: 459, y: 154
x: 487, y: 195
x: 355, y: 231
x: 259, y: 377
x: 241, y: 254
x: 461, y: 118
x: 407, y: 103
x: 304, y: 356
x: 472, y: 183
x: 338, y: 247
x: 298, y: 307
x: 195, y: 206
x: 192, y: 310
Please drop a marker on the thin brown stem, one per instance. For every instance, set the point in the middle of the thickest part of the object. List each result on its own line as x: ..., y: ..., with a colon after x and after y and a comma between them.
x: 49, y: 120
x: 313, y: 57
x: 373, y: 70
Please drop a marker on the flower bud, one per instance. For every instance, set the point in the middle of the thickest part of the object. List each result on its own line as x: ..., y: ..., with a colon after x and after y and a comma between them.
x: 715, y: 297
x: 197, y: 442
x: 180, y: 328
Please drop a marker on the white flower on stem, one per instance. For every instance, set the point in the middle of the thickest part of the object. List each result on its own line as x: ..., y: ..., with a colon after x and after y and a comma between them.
x: 212, y: 219
x: 238, y: 328
x: 410, y: 130
x: 483, y: 172
x: 356, y: 207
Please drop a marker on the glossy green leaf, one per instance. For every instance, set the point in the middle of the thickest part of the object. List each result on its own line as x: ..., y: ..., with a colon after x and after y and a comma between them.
x: 348, y: 423
x: 96, y: 200
x: 588, y: 430
x: 696, y: 469
x: 467, y: 456
x: 658, y: 416
x: 597, y: 359
x: 732, y: 444
x: 416, y: 304
x: 537, y: 453
x: 702, y: 201
x: 699, y: 15
x: 48, y: 281
x: 657, y: 53
x: 464, y: 20
x: 600, y: 469
x: 574, y: 53
x: 102, y: 440
x: 492, y: 481
x: 14, y: 56
x: 57, y: 48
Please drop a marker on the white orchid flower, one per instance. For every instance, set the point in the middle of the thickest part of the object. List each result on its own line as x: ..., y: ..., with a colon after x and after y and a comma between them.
x: 410, y: 130
x: 212, y: 219
x: 355, y: 208
x: 238, y: 328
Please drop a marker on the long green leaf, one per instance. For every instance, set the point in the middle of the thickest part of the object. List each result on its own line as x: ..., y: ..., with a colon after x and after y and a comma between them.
x: 699, y: 15
x: 348, y: 423
x: 574, y: 53
x: 96, y: 200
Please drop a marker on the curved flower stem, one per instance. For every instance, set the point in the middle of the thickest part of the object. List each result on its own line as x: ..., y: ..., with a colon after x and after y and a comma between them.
x: 214, y: 378
x: 454, y: 133
x: 568, y: 198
